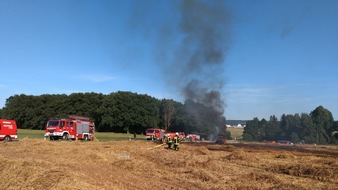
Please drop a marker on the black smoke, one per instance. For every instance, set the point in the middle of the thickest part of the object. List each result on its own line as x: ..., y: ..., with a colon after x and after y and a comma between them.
x: 200, y: 58
x: 192, y: 45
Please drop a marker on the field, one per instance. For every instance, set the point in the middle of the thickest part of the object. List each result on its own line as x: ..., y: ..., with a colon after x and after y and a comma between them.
x: 30, y: 163
x: 38, y: 134
x: 236, y: 133
x: 100, y: 136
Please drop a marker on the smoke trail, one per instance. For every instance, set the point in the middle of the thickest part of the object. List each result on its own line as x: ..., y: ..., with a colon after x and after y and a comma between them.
x: 201, y: 54
x: 191, y: 48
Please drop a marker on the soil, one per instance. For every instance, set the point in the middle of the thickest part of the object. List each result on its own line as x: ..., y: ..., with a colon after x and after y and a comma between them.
x: 43, y: 164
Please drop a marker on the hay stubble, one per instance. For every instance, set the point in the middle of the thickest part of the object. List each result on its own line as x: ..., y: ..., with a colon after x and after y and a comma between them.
x: 39, y: 164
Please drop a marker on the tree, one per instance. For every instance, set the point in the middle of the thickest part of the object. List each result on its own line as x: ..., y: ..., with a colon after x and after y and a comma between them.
x: 294, y: 137
x: 323, y: 122
x: 290, y: 126
x: 307, y: 132
x: 168, y: 114
x: 273, y: 130
x: 129, y: 112
x: 251, y: 131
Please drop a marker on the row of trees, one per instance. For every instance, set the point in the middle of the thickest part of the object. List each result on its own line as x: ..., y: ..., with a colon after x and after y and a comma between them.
x: 317, y: 127
x: 129, y: 112
x: 116, y: 112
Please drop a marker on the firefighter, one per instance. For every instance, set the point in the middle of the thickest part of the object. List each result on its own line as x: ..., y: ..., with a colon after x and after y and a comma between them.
x: 176, y: 142
x: 169, y: 141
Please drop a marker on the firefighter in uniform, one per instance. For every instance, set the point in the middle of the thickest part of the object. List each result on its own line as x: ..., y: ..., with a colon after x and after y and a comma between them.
x: 176, y: 142
x: 169, y: 141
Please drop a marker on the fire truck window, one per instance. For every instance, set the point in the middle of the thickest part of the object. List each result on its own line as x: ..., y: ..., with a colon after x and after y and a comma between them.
x: 53, y: 123
x: 71, y: 124
x: 62, y: 124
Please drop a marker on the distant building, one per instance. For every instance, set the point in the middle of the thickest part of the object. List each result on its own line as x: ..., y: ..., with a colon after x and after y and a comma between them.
x: 236, y: 123
x: 236, y: 126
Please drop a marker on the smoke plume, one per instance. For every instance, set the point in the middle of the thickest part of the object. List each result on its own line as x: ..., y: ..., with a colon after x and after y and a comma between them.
x: 192, y: 47
x: 201, y: 54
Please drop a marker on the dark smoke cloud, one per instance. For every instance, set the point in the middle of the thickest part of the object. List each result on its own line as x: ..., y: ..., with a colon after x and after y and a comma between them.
x: 201, y: 54
x: 191, y: 49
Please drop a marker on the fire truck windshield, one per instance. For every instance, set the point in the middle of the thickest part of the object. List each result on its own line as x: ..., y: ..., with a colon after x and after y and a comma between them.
x: 53, y: 123
x: 150, y: 131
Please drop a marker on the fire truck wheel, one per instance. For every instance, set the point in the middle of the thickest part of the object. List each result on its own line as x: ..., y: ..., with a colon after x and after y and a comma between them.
x: 7, y: 138
x: 86, y: 138
x: 65, y: 136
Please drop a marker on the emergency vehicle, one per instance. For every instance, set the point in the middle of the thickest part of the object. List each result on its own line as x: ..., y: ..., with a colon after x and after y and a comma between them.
x: 73, y: 127
x: 193, y: 137
x: 154, y: 134
x: 8, y: 130
x: 180, y: 134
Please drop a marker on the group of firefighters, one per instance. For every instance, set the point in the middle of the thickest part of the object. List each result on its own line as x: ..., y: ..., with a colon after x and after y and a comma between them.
x: 173, y: 143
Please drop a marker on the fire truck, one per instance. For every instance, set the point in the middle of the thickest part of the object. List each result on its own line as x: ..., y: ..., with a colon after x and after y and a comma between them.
x: 73, y: 127
x: 154, y: 134
x: 193, y: 137
x: 180, y: 134
x: 8, y: 130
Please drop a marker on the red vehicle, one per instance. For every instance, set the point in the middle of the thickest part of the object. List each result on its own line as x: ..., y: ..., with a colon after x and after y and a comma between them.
x: 193, y: 137
x: 74, y: 127
x: 180, y: 134
x: 8, y: 130
x: 155, y: 134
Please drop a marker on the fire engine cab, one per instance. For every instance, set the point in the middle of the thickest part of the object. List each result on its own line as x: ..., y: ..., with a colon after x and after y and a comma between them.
x: 73, y: 127
x: 8, y: 130
x: 154, y: 134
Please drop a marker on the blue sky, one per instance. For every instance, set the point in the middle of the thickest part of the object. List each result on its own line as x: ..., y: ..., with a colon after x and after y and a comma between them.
x: 281, y: 57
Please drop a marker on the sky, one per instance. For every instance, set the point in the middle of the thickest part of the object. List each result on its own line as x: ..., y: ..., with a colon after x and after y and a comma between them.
x: 278, y: 56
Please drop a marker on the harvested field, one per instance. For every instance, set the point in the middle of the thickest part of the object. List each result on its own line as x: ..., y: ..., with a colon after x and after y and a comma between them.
x: 39, y: 164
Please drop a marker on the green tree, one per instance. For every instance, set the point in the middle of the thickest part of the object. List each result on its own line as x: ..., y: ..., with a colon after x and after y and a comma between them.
x: 228, y: 135
x: 335, y: 133
x: 323, y: 122
x: 107, y: 111
x: 307, y: 132
x: 290, y: 126
x: 273, y: 130
x: 294, y: 137
x: 128, y: 112
x: 251, y: 131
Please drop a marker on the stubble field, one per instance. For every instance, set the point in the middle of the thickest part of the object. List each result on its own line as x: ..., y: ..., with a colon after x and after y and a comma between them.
x: 43, y: 164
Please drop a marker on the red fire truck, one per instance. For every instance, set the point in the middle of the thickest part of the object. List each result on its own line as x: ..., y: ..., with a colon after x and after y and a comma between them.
x: 8, y: 130
x: 155, y: 134
x: 193, y: 137
x: 180, y: 134
x: 73, y: 127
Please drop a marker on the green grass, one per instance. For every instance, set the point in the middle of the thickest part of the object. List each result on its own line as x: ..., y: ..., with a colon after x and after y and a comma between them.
x: 101, y: 136
x: 30, y: 134
x: 235, y: 132
x: 109, y: 136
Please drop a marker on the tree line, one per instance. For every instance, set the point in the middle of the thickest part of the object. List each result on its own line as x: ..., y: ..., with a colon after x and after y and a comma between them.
x: 317, y: 127
x: 128, y: 112
x: 121, y: 111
